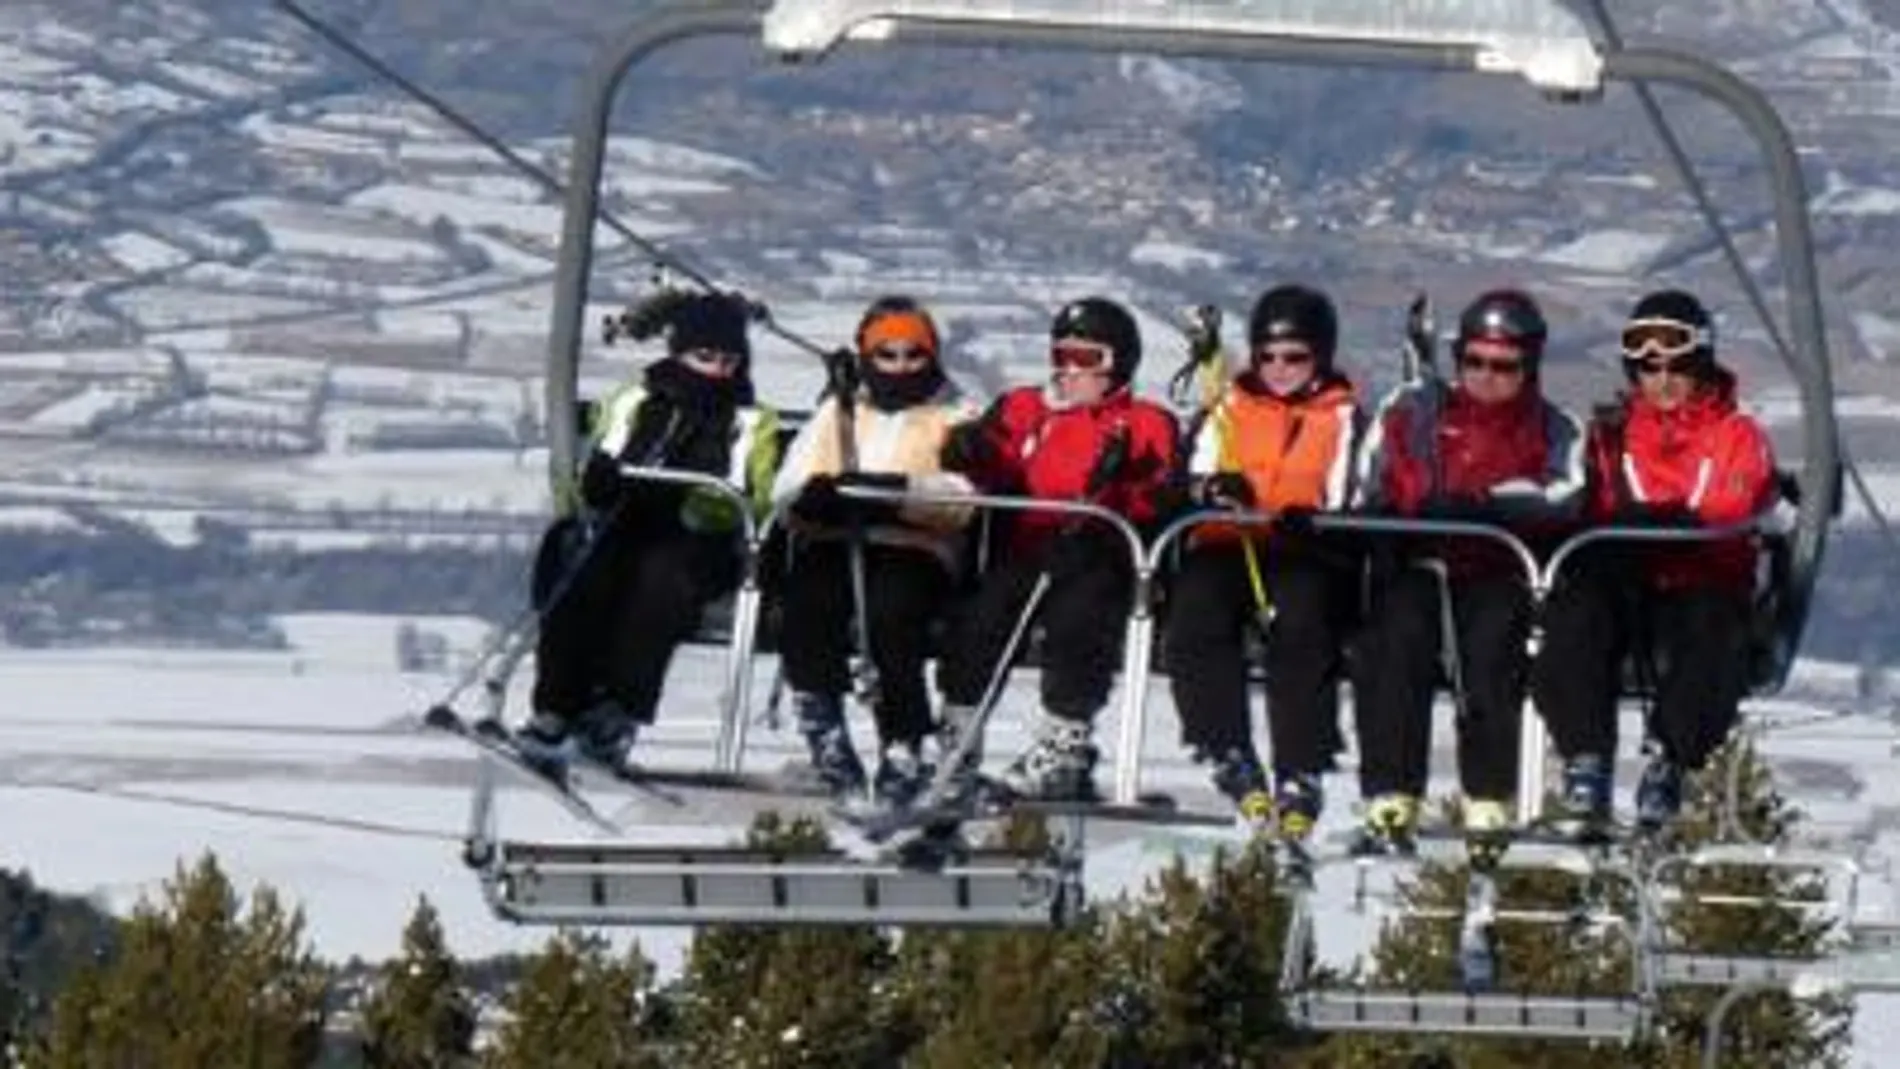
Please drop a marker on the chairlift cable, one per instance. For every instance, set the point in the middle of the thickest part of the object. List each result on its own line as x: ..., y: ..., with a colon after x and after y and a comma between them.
x: 658, y: 256
x: 1699, y: 192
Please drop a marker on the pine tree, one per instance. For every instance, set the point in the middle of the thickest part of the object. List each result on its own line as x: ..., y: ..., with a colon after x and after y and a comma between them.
x: 788, y: 997
x: 198, y: 980
x: 1007, y: 998
x: 1194, y: 967
x: 577, y: 1008
x: 420, y: 1016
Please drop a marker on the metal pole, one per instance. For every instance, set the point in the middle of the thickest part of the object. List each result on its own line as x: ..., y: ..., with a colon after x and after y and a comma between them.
x: 649, y: 32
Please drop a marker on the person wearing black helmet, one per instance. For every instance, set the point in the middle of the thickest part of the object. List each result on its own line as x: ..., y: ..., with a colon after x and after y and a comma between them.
x: 1674, y: 450
x: 1488, y: 447
x: 656, y: 554
x: 1279, y: 440
x: 1082, y: 437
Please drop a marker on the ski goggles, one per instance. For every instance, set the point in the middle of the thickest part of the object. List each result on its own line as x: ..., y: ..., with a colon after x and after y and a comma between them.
x: 1292, y: 354
x: 1076, y: 354
x: 1661, y: 337
x: 899, y: 338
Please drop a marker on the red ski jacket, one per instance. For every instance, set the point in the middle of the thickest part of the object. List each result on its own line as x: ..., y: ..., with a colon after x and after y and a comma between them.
x: 1046, y: 450
x: 1434, y: 450
x: 1706, y: 457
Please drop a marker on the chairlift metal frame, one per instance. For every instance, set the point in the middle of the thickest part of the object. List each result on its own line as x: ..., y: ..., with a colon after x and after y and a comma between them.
x: 1569, y: 68
x: 1578, y: 1017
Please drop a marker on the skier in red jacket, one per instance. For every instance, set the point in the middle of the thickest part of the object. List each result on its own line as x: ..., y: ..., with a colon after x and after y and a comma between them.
x: 1084, y: 437
x: 1488, y: 448
x: 1673, y: 451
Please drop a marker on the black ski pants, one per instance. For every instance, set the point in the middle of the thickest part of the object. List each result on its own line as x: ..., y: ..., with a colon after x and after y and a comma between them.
x: 1083, y: 612
x: 633, y: 600
x: 1692, y: 644
x: 1397, y: 667
x: 1212, y: 610
x: 905, y: 591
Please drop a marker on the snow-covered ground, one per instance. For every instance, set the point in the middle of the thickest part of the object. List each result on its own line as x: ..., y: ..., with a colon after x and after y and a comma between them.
x: 305, y: 769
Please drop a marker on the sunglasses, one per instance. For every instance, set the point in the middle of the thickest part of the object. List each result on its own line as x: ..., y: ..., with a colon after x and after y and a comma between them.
x: 1291, y: 356
x: 1498, y: 365
x: 1074, y: 355
x: 1650, y: 366
x: 900, y: 356
x: 1660, y: 337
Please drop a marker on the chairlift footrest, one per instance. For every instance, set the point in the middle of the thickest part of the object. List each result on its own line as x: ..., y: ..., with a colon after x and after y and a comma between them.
x: 584, y: 883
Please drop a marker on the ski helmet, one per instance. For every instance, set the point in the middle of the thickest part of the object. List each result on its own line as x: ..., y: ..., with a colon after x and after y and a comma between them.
x: 1100, y: 320
x: 905, y: 314
x: 1669, y: 323
x: 1506, y: 315
x: 1296, y: 313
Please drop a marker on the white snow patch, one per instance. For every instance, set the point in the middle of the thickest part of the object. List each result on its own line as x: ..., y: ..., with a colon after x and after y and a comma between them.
x: 142, y: 252
x: 1618, y: 251
x: 1175, y: 256
x: 1878, y: 333
x: 1190, y: 88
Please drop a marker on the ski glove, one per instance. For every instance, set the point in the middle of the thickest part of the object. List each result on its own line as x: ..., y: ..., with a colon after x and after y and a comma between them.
x: 820, y: 503
x: 1295, y: 522
x: 1647, y: 515
x: 873, y: 511
x: 1225, y: 490
x: 600, y: 482
x: 970, y: 449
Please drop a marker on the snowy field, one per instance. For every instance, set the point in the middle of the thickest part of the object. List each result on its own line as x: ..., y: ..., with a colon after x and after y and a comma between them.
x: 306, y: 769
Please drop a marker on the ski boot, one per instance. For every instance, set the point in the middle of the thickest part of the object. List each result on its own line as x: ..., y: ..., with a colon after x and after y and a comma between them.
x: 1297, y: 800
x: 1390, y: 826
x: 1487, y: 824
x: 828, y: 741
x: 544, y: 746
x: 1059, y: 766
x: 1583, y: 808
x: 901, y: 775
x: 1238, y: 775
x: 1658, y: 796
x: 605, y: 735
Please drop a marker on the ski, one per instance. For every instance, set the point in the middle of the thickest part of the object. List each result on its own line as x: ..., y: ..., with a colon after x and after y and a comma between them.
x: 494, y: 739
x: 664, y: 782
x: 990, y: 802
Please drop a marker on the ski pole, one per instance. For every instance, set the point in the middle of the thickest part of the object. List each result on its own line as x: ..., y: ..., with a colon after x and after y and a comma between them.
x: 1206, y: 354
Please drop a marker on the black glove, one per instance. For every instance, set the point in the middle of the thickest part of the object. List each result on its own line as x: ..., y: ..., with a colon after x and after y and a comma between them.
x: 873, y: 511
x: 600, y: 482
x: 1646, y: 515
x: 820, y: 504
x: 969, y: 447
x: 1225, y: 490
x: 841, y: 372
x: 1463, y: 508
x: 1294, y: 522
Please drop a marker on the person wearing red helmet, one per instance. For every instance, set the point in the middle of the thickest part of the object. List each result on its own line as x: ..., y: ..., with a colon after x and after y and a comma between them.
x: 1279, y: 440
x: 1673, y: 450
x: 1488, y: 447
x: 1083, y: 437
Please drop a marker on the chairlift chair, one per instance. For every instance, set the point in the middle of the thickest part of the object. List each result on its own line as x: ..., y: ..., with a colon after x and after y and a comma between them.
x: 1543, y: 43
